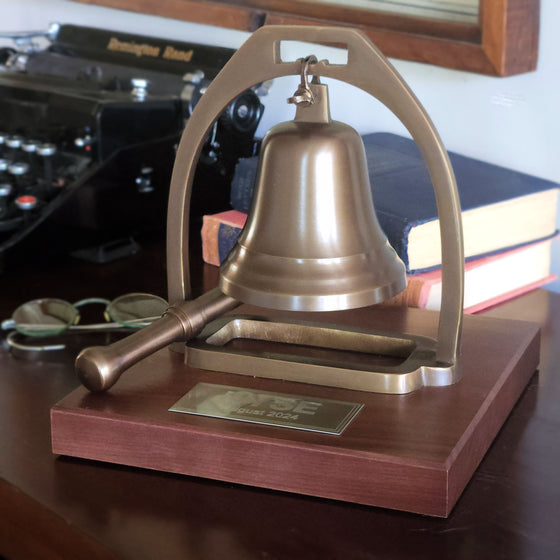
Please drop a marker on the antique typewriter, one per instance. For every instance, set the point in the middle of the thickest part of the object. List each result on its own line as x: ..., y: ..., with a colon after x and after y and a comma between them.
x: 89, y: 123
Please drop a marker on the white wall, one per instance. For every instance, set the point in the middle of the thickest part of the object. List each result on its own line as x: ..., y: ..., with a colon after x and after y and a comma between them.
x: 512, y: 121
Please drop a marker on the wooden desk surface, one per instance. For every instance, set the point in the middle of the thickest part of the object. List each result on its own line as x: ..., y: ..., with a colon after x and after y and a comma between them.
x: 66, y: 508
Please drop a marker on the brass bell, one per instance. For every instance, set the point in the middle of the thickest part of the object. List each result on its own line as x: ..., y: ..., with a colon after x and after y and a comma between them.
x: 312, y: 241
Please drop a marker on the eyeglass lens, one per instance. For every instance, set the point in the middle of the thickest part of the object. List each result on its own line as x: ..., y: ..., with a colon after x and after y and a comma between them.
x: 44, y: 317
x: 136, y: 310
x: 48, y: 317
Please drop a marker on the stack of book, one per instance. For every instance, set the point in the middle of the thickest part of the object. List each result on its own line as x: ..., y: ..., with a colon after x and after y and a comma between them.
x: 509, y: 223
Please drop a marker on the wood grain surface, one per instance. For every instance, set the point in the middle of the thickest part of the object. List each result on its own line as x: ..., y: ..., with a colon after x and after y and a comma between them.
x: 58, y: 507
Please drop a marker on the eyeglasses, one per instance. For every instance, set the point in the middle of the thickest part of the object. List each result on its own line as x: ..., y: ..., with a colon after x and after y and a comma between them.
x: 50, y: 317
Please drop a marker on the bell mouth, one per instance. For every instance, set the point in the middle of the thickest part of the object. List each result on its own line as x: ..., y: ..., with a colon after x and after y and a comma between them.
x: 325, y: 284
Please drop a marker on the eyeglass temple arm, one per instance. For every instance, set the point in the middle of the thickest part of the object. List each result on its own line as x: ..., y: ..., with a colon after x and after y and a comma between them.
x: 100, y: 367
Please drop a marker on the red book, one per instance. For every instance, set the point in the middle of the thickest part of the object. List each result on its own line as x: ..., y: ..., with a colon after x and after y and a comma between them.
x: 488, y: 280
x: 219, y: 233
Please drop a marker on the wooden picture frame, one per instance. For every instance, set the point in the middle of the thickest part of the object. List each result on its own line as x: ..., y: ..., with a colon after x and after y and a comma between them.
x: 504, y: 42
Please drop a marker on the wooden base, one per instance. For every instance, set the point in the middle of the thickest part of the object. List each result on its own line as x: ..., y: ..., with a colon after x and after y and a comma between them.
x: 413, y: 452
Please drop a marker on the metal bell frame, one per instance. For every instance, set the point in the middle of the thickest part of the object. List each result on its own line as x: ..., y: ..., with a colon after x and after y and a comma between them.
x: 259, y: 60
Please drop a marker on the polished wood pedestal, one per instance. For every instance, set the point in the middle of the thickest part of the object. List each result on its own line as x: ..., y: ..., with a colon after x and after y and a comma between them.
x: 413, y: 452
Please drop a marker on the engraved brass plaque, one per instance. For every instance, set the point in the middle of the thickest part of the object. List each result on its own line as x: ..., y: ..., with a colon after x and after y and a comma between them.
x: 264, y: 407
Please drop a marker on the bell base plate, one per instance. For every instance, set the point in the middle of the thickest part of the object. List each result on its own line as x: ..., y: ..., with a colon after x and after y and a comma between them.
x: 413, y: 452
x: 333, y: 356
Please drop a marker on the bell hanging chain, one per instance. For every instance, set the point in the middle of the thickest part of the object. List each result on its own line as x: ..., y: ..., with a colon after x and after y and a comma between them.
x: 303, y: 94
